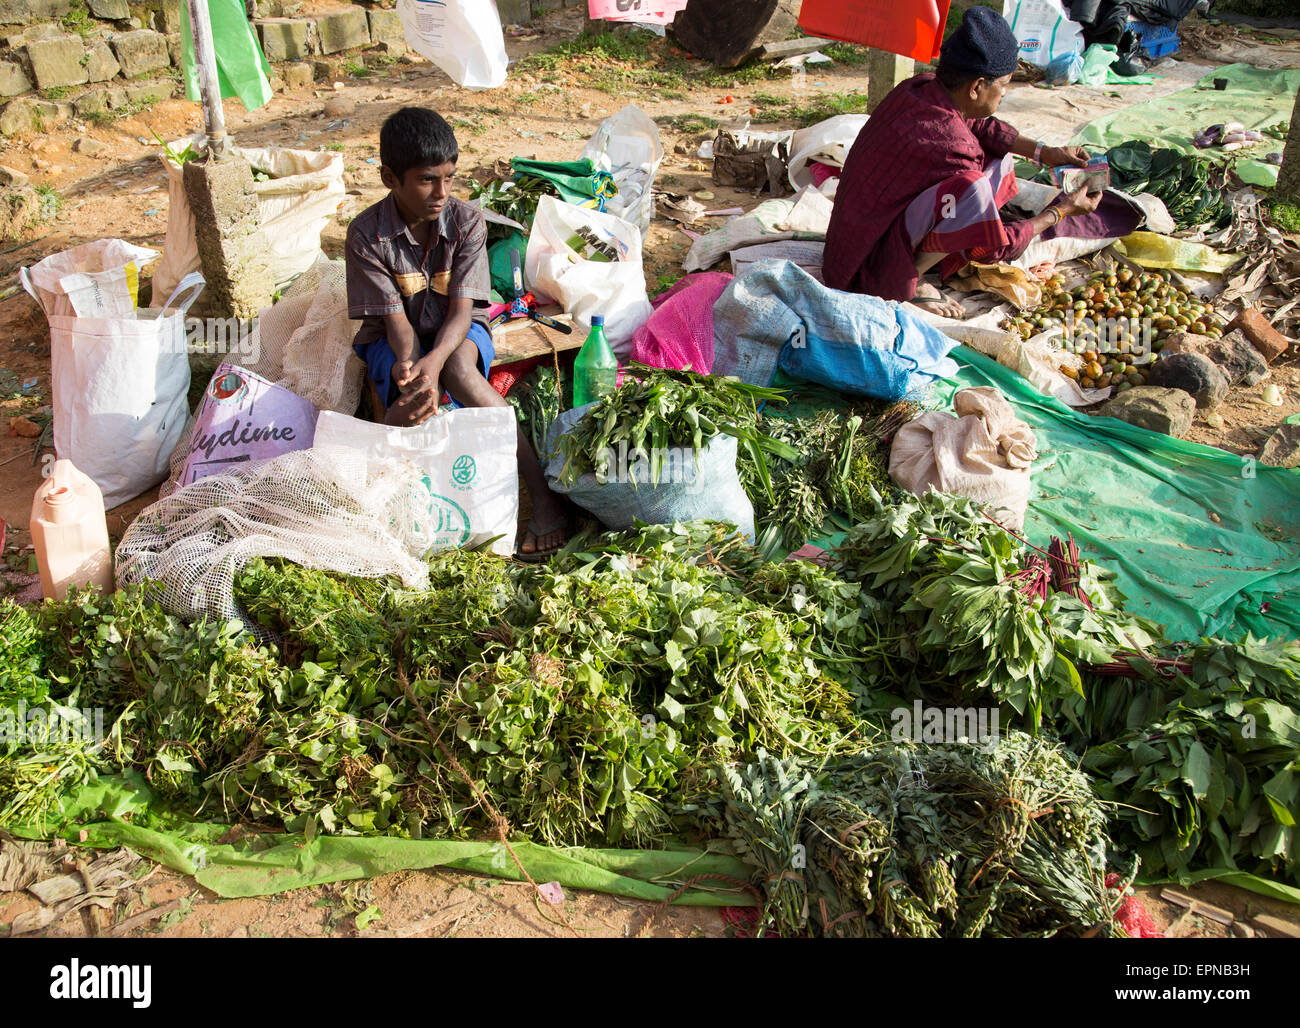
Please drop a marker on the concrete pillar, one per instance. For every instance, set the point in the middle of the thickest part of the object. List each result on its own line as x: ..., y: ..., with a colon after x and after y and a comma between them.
x: 235, y: 261
x: 884, y: 72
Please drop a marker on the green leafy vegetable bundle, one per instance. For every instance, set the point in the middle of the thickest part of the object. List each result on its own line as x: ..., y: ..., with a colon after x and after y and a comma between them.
x: 924, y: 840
x: 1192, y: 188
x: 659, y: 410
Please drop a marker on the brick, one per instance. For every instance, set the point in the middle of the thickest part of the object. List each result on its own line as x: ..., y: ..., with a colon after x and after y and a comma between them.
x: 13, y: 80
x: 284, y: 39
x: 58, y: 62
x: 1263, y: 337
x: 109, y: 10
x: 101, y: 65
x: 141, y: 52
x: 343, y: 30
x: 386, y: 30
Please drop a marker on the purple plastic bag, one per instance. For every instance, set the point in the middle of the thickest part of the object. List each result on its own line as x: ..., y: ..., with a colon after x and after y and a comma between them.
x: 242, y: 419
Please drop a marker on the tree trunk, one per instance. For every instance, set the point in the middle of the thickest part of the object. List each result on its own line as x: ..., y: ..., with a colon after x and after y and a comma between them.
x: 1288, y: 178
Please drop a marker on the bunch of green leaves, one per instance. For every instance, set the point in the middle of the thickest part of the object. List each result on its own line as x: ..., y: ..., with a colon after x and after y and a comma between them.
x: 1203, y: 761
x: 915, y: 840
x: 538, y: 400
x: 946, y: 620
x: 1191, y: 187
x: 23, y: 654
x: 662, y: 409
x: 516, y: 200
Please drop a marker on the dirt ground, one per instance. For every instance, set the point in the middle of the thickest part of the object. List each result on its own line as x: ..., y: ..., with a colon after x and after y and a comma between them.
x: 123, y: 193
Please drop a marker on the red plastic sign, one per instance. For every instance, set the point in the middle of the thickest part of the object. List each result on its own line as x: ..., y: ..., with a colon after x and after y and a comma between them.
x: 912, y: 28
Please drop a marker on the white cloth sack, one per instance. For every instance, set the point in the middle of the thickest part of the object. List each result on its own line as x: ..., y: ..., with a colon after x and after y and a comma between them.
x: 293, y: 207
x: 468, y: 460
x: 462, y: 37
x: 627, y: 146
x: 99, y: 279
x: 583, y: 287
x: 120, y: 386
x: 1043, y: 30
x: 827, y: 142
x: 984, y: 453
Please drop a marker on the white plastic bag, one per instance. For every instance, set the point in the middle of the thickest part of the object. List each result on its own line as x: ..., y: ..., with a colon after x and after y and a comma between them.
x: 1043, y: 29
x: 614, y: 287
x: 120, y: 386
x: 627, y: 146
x: 462, y: 37
x: 828, y: 142
x: 99, y: 279
x: 985, y: 453
x: 469, y: 465
x: 293, y: 207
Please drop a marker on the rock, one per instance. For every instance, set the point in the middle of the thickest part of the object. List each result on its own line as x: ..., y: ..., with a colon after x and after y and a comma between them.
x: 167, y: 19
x: 89, y: 104
x: 1185, y: 342
x: 12, y: 178
x: 176, y: 50
x: 110, y: 10
x: 338, y: 107
x: 25, y: 12
x: 101, y: 65
x: 297, y: 75
x: 13, y: 80
x: 151, y: 92
x: 1242, y: 931
x: 141, y: 52
x: 1215, y: 420
x: 1282, y: 448
x: 57, y: 62
x: 386, y: 31
x: 90, y: 147
x: 1193, y: 374
x: 1160, y: 410
x: 284, y: 39
x: 325, y: 71
x: 1263, y: 336
x: 17, y: 116
x: 343, y: 30
x: 24, y: 427
x: 1241, y: 362
x: 515, y: 12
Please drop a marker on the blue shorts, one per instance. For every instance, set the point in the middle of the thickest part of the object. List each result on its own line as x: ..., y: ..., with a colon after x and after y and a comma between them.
x: 379, y: 359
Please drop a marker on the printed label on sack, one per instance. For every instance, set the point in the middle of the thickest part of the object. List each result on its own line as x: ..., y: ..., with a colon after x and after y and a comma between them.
x: 448, y: 524
x: 1031, y: 44
x: 463, y: 471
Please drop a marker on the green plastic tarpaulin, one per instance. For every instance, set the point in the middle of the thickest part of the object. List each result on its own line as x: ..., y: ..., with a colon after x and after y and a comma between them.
x: 120, y: 811
x: 577, y: 182
x: 242, y: 68
x: 1203, y: 541
x: 1255, y: 97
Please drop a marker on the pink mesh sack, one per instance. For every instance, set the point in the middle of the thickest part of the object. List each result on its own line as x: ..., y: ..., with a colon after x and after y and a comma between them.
x: 679, y: 334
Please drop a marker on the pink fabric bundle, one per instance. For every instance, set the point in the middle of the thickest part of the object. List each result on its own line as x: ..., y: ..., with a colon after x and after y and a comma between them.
x: 679, y: 334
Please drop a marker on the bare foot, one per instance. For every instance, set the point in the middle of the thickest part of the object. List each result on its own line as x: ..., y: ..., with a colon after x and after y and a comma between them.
x: 413, y: 408
x: 929, y: 298
x: 548, y: 530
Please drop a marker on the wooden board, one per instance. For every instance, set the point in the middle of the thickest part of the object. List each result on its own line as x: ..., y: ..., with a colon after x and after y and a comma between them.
x: 522, y: 338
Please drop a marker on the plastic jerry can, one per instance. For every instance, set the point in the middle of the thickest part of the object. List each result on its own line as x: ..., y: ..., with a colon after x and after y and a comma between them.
x: 70, y: 533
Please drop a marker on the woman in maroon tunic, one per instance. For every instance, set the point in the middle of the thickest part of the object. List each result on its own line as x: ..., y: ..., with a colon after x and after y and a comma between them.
x: 929, y: 171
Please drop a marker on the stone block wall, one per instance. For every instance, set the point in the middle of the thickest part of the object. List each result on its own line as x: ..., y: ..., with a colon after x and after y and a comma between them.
x: 88, y: 57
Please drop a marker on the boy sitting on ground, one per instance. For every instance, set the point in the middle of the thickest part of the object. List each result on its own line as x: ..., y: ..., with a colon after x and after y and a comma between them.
x: 419, y: 281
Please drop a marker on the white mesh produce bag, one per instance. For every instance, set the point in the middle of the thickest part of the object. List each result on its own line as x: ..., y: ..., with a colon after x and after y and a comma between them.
x: 327, y: 508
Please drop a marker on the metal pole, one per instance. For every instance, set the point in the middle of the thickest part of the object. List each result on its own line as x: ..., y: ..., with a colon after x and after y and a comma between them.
x: 205, y: 60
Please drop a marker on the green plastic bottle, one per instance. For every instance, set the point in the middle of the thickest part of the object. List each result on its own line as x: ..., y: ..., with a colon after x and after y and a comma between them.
x: 595, y: 370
